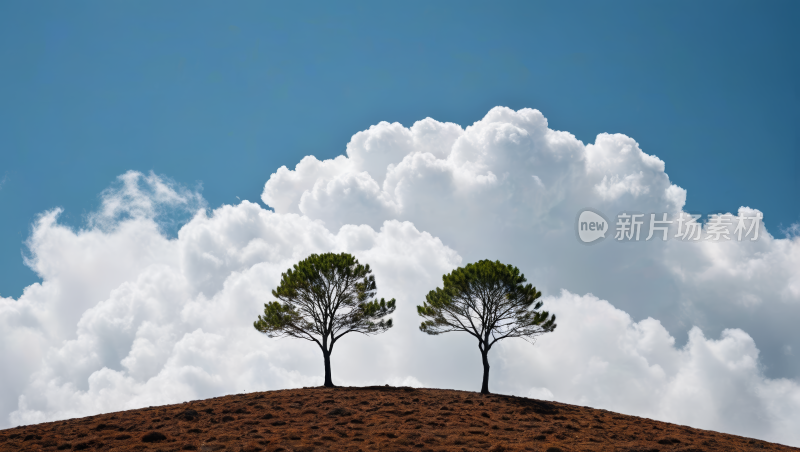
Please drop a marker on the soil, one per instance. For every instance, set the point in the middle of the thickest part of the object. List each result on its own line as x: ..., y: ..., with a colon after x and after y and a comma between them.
x: 375, y: 418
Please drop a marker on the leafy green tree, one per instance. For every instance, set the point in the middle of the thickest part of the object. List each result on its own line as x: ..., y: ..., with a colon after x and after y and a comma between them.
x: 490, y: 301
x: 325, y: 297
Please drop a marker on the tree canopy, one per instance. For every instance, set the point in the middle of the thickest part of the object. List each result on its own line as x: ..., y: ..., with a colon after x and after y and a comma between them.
x: 324, y: 297
x: 490, y: 301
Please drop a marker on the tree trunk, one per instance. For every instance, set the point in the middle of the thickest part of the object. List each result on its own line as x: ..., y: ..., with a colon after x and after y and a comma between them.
x: 485, y: 385
x: 327, y: 356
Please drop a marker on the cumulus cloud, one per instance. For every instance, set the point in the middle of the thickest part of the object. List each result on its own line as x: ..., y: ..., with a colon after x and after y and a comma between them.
x: 600, y: 356
x: 127, y: 317
x: 510, y: 188
x: 129, y: 314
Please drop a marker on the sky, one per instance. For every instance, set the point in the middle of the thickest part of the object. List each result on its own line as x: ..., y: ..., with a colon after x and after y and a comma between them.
x: 156, y: 177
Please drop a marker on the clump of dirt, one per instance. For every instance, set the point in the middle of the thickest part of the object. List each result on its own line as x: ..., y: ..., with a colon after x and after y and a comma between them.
x: 376, y: 419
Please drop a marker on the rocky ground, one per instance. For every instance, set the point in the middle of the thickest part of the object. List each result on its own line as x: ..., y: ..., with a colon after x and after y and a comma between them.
x: 374, y: 418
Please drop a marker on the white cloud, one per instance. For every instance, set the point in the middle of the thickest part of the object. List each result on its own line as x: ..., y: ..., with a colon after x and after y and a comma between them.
x: 130, y: 315
x: 171, y: 319
x: 599, y: 356
x: 510, y: 188
x: 144, y: 196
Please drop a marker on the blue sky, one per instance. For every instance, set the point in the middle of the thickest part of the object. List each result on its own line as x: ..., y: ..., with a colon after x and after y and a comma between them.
x: 222, y: 96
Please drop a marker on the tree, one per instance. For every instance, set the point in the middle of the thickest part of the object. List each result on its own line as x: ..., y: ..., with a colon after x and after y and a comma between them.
x: 325, y: 297
x: 489, y: 301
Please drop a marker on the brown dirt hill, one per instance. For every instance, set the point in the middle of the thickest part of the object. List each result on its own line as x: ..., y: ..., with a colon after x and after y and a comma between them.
x: 370, y: 419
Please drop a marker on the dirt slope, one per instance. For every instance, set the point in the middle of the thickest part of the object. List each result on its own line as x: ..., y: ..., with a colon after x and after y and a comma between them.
x: 375, y: 418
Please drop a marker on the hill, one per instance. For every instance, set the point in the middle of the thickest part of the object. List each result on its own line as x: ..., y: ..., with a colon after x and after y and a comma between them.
x: 379, y: 418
